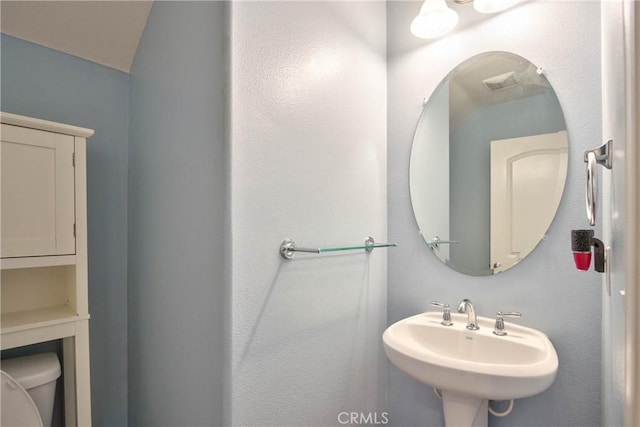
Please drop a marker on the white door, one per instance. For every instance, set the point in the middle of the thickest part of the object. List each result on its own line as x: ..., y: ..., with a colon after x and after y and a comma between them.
x: 37, y: 193
x: 527, y: 179
x: 621, y: 296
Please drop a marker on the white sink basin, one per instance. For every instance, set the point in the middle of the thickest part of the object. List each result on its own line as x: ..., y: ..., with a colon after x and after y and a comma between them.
x: 477, y: 365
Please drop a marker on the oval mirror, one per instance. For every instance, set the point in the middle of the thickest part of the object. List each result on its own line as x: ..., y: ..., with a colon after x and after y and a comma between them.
x: 488, y: 163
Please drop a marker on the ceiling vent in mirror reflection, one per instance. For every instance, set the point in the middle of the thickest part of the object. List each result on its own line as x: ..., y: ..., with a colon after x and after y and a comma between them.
x: 502, y: 81
x: 488, y: 168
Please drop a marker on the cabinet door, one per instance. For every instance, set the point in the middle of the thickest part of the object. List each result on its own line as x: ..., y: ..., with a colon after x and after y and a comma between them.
x: 37, y: 189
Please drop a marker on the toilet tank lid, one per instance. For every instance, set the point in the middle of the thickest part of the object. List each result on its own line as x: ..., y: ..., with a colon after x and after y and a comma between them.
x: 33, y: 371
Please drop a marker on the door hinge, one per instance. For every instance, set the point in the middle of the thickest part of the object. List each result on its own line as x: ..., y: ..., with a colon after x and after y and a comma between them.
x: 73, y: 159
x: 74, y: 230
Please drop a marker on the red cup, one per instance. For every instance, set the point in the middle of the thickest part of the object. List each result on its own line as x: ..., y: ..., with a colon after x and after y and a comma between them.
x: 582, y: 260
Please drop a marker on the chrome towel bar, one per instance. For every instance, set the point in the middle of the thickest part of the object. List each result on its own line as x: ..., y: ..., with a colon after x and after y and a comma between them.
x: 603, y: 156
x: 288, y: 247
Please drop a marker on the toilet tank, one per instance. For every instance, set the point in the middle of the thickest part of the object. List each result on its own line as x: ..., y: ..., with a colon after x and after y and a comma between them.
x: 37, y: 374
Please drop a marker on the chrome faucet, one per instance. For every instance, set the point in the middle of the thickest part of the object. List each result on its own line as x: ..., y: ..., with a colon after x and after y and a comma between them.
x: 466, y: 306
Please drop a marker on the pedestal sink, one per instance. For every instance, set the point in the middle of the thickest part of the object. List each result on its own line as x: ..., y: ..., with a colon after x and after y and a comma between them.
x: 471, y: 367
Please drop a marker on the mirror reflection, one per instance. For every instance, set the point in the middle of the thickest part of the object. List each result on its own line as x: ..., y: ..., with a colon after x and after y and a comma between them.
x: 488, y: 163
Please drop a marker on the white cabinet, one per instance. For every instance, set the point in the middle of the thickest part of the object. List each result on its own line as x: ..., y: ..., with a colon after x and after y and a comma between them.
x: 44, y: 247
x: 37, y: 192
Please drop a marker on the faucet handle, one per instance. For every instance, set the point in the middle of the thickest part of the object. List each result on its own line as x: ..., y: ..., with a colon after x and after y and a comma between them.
x: 446, y: 312
x: 499, y: 328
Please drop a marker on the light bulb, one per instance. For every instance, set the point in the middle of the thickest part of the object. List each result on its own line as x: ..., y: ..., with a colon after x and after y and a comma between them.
x: 434, y: 20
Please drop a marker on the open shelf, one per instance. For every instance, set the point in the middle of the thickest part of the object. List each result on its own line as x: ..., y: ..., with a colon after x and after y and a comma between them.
x: 31, y: 319
x: 37, y: 261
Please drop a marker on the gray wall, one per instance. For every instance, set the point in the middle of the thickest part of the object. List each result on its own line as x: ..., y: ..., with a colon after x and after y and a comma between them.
x: 48, y: 84
x: 309, y: 163
x: 563, y: 38
x: 177, y: 193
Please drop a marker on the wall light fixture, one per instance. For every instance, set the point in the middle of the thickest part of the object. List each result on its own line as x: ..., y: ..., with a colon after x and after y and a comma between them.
x: 434, y: 20
x: 437, y: 19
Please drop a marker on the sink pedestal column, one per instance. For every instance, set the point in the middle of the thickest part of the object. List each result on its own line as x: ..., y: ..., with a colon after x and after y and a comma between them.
x: 464, y: 411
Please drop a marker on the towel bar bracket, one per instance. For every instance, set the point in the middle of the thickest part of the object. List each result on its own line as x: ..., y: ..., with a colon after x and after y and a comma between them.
x: 603, y: 154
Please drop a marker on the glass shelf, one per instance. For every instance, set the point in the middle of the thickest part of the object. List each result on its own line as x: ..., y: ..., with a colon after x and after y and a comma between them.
x: 288, y: 247
x: 350, y: 248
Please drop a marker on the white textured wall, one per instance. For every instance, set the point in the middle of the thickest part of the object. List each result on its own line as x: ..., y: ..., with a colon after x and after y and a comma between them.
x: 563, y: 38
x: 308, y: 161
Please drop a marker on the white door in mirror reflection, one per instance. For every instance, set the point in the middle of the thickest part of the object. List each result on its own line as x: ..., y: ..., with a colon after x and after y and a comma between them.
x: 527, y: 180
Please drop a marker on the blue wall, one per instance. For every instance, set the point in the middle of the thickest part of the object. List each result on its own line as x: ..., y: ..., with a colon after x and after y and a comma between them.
x: 564, y: 39
x: 51, y: 85
x: 177, y: 193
